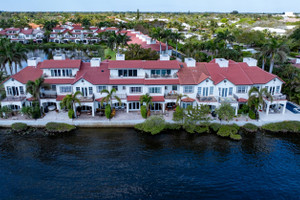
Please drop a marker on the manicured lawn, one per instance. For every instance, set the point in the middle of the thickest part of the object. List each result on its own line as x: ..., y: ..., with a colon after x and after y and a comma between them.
x: 108, y: 51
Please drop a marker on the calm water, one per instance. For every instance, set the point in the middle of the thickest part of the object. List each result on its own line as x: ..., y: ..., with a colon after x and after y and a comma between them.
x: 122, y: 164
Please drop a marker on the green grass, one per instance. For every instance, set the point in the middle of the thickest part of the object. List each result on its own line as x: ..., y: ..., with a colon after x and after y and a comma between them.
x: 19, y: 127
x: 109, y: 52
x: 53, y: 127
x: 283, y: 127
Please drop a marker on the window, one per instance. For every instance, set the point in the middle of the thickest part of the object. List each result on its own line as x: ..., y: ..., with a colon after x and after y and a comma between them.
x: 134, y: 106
x: 65, y: 89
x: 135, y: 89
x: 115, y: 87
x: 155, y: 90
x: 127, y: 72
x: 90, y: 90
x: 188, y: 89
x: 230, y: 91
x: 211, y: 90
x: 160, y: 73
x: 199, y: 90
x: 277, y: 89
x: 21, y: 90
x: 174, y: 87
x: 100, y: 88
x: 124, y: 87
x: 205, y: 91
x: 241, y: 89
x: 77, y: 89
x: 53, y: 87
x: 61, y: 72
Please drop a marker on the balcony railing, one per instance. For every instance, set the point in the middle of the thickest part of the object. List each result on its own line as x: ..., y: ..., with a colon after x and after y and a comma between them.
x: 86, y: 98
x: 14, y: 98
x: 227, y: 99
x: 171, y: 96
x: 161, y: 76
x: 120, y: 95
x: 277, y: 97
x: 206, y: 99
x: 48, y: 94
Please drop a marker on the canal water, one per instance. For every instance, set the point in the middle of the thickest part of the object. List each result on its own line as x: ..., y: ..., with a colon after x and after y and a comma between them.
x: 124, y: 164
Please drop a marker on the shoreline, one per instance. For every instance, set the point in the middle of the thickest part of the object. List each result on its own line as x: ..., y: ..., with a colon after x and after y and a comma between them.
x: 40, y: 123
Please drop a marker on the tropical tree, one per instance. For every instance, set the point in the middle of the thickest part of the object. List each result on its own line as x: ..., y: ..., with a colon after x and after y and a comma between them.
x: 19, y: 55
x: 225, y: 36
x: 122, y: 40
x: 147, y: 99
x: 69, y: 102
x: 49, y: 25
x: 34, y: 87
x: 256, y: 97
x: 276, y: 48
x: 175, y: 38
x: 109, y: 97
x: 225, y: 111
x: 6, y: 55
x: 158, y: 34
x: 179, y: 97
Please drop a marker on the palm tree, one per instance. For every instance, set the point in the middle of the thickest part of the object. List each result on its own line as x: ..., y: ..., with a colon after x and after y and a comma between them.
x: 225, y: 36
x: 177, y: 37
x: 110, y: 95
x: 256, y: 97
x: 179, y: 97
x: 70, y: 100
x: 34, y: 88
x: 167, y: 34
x: 6, y: 54
x: 147, y: 99
x: 122, y: 40
x: 158, y: 34
x: 19, y: 54
x: 276, y: 48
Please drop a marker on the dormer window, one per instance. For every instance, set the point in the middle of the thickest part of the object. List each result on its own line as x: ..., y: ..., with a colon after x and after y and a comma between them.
x: 61, y: 72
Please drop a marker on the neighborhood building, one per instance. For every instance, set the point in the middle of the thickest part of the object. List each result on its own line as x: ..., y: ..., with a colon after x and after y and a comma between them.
x: 23, y: 36
x: 209, y: 84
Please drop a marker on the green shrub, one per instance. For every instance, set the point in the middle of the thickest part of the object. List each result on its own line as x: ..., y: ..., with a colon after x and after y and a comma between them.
x: 19, y: 127
x: 108, y: 111
x: 283, y: 127
x: 229, y: 131
x: 5, y: 112
x: 214, y: 127
x: 27, y: 110
x: 71, y: 113
x: 144, y: 111
x: 245, y: 109
x: 250, y: 128
x: 202, y: 129
x: 54, y: 127
x: 172, y: 126
x: 252, y: 114
x: 153, y: 125
x: 178, y: 115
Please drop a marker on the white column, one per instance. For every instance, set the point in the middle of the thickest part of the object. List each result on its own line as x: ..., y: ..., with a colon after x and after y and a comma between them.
x: 284, y: 107
x: 93, y: 109
x: 236, y: 110
x: 163, y: 107
x: 127, y: 107
x: 268, y: 108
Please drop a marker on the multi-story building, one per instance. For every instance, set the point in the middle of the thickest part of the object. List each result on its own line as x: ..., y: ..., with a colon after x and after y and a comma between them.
x: 23, y: 35
x: 204, y: 83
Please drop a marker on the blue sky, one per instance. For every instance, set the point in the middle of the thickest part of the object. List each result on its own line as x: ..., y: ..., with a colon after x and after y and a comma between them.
x: 153, y: 5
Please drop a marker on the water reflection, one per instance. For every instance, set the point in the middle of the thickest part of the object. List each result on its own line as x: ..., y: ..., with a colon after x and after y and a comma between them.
x: 124, y: 164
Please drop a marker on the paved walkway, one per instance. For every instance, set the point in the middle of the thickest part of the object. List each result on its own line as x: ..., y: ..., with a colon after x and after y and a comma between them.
x: 123, y: 119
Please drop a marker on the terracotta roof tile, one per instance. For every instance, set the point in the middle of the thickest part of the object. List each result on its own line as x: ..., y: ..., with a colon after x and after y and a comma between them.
x: 50, y: 64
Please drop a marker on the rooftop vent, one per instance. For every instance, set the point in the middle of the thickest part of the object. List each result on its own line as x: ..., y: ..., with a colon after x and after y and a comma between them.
x: 59, y: 57
x: 190, y: 62
x: 95, y: 62
x: 250, y: 61
x: 222, y: 62
x: 164, y: 57
x: 120, y: 57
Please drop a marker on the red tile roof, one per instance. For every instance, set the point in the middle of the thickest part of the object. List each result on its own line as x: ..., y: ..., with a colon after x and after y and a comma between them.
x: 59, y: 80
x: 143, y: 64
x: 242, y: 100
x: 188, y: 99
x: 126, y: 81
x: 50, y: 64
x: 161, y: 82
x: 28, y: 73
x: 60, y: 97
x: 27, y: 32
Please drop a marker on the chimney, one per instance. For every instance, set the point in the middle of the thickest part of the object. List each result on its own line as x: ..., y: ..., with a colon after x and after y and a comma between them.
x: 297, y: 60
x: 120, y: 56
x: 59, y: 57
x: 33, y: 61
x: 222, y: 62
x: 250, y: 61
x: 190, y: 62
x: 95, y: 62
x: 164, y: 57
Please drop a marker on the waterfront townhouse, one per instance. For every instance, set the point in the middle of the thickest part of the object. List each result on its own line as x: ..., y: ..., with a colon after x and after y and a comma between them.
x: 204, y: 83
x: 23, y: 36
